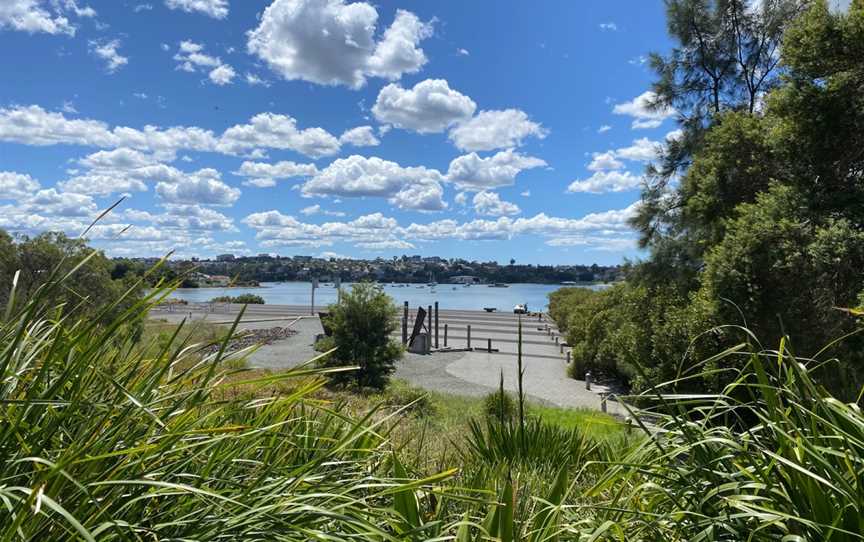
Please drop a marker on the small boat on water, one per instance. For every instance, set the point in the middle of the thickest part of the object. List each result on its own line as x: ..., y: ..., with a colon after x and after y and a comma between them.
x: 499, y: 285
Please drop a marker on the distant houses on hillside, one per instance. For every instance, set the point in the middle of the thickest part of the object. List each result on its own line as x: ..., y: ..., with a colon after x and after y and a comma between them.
x: 231, y: 270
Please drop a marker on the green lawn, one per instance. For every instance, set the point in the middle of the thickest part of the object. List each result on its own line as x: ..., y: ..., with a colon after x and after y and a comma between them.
x: 591, y: 422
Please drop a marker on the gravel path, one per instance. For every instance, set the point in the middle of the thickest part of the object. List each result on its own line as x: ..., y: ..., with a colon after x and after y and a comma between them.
x: 430, y: 372
x: 290, y: 352
x: 543, y: 378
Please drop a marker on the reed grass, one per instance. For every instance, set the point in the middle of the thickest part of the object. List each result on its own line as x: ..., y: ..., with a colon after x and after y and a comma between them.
x: 773, y: 457
x: 102, y: 438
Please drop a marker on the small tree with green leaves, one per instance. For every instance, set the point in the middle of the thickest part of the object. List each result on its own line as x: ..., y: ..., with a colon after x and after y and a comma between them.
x: 362, y: 324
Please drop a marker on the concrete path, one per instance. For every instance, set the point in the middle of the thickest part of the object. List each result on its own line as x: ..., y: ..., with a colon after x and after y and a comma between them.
x: 474, y: 373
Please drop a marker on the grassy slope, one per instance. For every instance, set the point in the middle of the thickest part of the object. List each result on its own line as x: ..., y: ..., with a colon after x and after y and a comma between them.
x: 430, y: 430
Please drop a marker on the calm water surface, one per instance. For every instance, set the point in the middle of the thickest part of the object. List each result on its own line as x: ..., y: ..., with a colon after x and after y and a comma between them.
x: 448, y: 296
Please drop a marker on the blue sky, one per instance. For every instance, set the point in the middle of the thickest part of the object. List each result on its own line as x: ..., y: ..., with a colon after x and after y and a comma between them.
x: 483, y: 130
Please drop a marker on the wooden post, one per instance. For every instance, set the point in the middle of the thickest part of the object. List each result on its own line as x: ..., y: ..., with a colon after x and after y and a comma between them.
x: 562, y: 347
x: 445, y: 335
x: 405, y: 324
x: 489, y: 346
x: 568, y: 357
x: 603, y: 402
x: 436, y: 324
x: 469, y: 336
x: 429, y: 324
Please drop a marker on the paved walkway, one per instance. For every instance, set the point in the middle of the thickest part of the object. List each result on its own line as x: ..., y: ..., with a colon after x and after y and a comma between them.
x: 473, y: 373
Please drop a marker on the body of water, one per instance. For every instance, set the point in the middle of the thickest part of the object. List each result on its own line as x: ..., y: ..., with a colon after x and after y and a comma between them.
x: 448, y: 296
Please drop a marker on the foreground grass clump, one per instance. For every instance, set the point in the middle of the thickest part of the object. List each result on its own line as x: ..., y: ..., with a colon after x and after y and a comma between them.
x: 774, y: 456
x: 102, y: 440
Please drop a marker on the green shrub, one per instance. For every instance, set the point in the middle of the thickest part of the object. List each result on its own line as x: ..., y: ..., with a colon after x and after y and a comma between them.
x: 242, y: 299
x: 250, y: 299
x: 499, y: 405
x: 415, y: 399
x: 324, y: 344
x: 362, y: 324
x: 563, y: 301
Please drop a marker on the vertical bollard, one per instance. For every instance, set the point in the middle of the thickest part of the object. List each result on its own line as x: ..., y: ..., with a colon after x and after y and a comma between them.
x: 445, y: 335
x: 469, y: 336
x: 489, y: 346
x: 568, y: 357
x: 405, y: 324
x: 436, y: 324
x: 588, y: 381
x: 603, y: 402
x: 429, y: 324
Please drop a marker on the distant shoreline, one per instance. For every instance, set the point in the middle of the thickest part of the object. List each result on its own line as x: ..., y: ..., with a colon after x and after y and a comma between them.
x: 219, y: 287
x: 324, y: 283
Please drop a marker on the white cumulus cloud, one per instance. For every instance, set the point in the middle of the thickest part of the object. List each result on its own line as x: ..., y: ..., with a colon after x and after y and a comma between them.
x: 331, y: 42
x: 430, y: 107
x: 33, y: 125
x: 606, y: 181
x: 470, y: 172
x: 318, y: 210
x: 42, y: 16
x: 270, y: 130
x: 190, y: 57
x: 218, y: 9
x: 222, y: 75
x: 264, y: 175
x: 107, y: 51
x: 14, y: 185
x: 602, y: 230
x: 601, y: 161
x: 361, y: 136
x: 491, y: 204
x: 491, y: 130
x: 201, y: 187
x: 643, y: 113
x: 357, y: 176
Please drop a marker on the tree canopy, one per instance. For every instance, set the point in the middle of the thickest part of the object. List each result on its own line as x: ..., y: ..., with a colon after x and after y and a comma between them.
x: 50, y: 256
x: 754, y: 215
